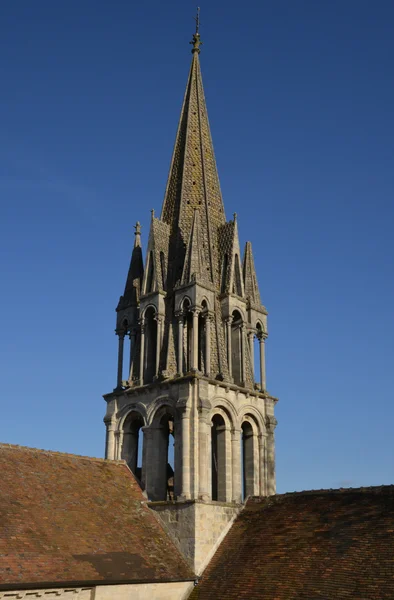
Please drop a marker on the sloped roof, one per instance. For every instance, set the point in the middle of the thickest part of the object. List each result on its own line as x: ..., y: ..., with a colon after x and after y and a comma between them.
x: 73, y: 519
x: 325, y: 545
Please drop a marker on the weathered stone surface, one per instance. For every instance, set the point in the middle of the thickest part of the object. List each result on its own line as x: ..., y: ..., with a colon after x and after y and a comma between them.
x: 197, y: 527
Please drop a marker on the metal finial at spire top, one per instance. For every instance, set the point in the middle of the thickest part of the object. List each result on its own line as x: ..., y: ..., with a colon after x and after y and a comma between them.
x: 197, y: 19
x: 196, y: 42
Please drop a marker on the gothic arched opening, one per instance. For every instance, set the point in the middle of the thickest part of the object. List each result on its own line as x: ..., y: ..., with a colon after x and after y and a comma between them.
x: 150, y: 345
x: 163, y: 465
x: 236, y: 348
x: 224, y: 274
x: 237, y: 280
x: 218, y: 454
x: 132, y: 445
x: 163, y: 270
x: 187, y: 337
x: 248, y: 467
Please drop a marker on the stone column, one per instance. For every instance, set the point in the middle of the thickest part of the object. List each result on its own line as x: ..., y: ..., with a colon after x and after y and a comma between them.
x: 132, y: 336
x: 262, y: 464
x: 204, y: 432
x: 236, y: 465
x: 159, y: 321
x: 251, y: 350
x: 243, y: 353
x: 146, y: 470
x: 142, y: 351
x: 110, y: 439
x: 118, y: 444
x: 262, y: 362
x: 194, y: 366
x: 120, y: 358
x: 208, y: 320
x: 185, y: 426
x: 271, y: 475
x: 180, y: 342
x: 229, y: 320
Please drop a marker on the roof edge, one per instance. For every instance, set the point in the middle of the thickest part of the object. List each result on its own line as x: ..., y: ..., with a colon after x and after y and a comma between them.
x: 342, y: 490
x: 58, y: 453
x: 88, y: 583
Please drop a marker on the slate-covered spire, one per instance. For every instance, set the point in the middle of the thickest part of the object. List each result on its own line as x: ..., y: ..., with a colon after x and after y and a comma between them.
x: 193, y: 180
x: 250, y: 279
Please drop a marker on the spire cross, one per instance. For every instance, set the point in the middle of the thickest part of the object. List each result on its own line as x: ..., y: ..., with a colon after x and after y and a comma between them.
x: 197, y: 19
x: 196, y: 36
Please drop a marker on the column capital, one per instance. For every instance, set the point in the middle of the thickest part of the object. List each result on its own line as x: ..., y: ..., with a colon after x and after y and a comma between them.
x: 271, y: 423
x: 195, y: 310
x: 228, y: 320
x: 184, y: 412
x: 110, y: 423
x: 235, y: 434
x: 209, y: 316
x: 179, y: 315
x: 121, y: 333
x: 262, y: 336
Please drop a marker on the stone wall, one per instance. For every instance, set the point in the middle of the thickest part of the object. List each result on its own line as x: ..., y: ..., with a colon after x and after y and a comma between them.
x: 197, y: 527
x: 144, y: 591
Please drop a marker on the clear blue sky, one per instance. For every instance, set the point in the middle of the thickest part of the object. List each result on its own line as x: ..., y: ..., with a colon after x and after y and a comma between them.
x: 300, y: 98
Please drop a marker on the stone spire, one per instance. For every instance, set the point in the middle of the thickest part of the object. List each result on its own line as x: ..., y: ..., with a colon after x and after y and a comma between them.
x: 193, y: 180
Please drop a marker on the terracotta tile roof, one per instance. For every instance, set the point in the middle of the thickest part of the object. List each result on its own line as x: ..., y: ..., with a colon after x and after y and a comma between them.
x: 326, y: 545
x: 67, y: 518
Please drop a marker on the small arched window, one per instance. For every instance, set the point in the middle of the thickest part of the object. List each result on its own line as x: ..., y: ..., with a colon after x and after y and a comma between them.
x: 163, y: 270
x: 218, y: 454
x: 236, y: 348
x: 247, y: 460
x: 149, y: 279
x: 150, y: 345
x: 237, y: 283
x: 224, y: 274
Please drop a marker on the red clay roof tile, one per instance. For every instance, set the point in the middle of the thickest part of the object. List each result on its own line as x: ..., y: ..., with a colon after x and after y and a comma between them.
x: 67, y: 518
x: 328, y: 545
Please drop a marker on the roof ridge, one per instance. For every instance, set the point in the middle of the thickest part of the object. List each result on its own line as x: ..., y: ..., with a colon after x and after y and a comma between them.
x: 323, y: 491
x: 59, y: 453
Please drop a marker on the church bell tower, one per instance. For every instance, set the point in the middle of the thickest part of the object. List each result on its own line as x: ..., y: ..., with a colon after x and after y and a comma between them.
x: 187, y: 414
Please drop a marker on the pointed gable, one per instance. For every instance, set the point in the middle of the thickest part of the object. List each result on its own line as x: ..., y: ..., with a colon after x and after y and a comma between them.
x: 193, y: 269
x: 230, y: 263
x: 250, y: 279
x: 156, y: 257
